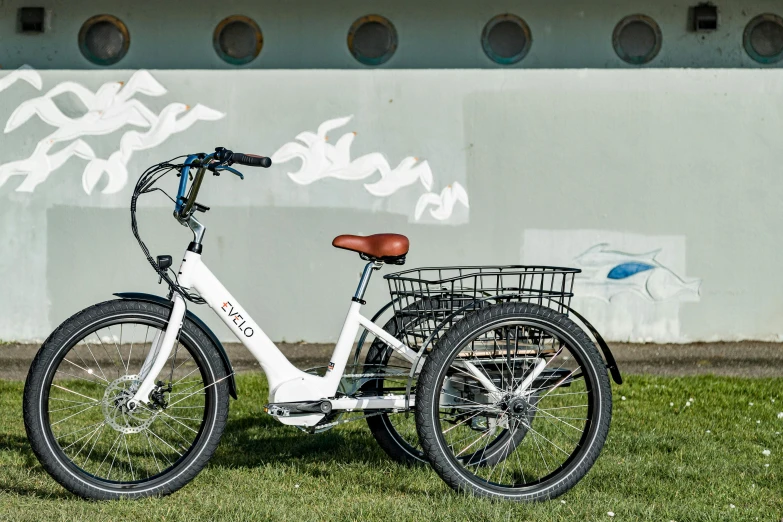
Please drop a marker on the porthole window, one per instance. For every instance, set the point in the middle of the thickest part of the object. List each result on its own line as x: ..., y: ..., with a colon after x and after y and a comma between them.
x: 372, y: 40
x: 637, y: 39
x: 104, y: 39
x: 763, y: 38
x: 506, y: 39
x: 238, y: 40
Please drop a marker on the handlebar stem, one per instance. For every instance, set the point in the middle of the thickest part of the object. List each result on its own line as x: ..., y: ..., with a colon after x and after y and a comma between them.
x: 197, y: 228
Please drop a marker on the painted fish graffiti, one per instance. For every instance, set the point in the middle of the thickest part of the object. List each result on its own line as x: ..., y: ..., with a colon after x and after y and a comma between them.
x: 110, y: 108
x: 320, y: 160
x: 607, y: 273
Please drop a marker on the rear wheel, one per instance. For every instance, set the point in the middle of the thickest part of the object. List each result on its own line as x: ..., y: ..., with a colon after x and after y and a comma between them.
x: 75, y: 400
x: 487, y: 367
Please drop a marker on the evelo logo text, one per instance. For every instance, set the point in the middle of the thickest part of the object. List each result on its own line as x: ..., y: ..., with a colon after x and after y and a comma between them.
x: 237, y: 319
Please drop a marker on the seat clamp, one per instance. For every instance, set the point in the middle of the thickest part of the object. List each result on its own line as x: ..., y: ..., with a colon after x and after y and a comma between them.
x: 357, y: 300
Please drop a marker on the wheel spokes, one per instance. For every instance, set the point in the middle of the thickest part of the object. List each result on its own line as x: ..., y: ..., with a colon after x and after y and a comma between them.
x: 513, y: 437
x: 94, y: 429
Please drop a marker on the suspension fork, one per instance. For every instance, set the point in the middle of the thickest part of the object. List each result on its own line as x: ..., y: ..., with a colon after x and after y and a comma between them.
x: 159, y: 353
x: 163, y: 344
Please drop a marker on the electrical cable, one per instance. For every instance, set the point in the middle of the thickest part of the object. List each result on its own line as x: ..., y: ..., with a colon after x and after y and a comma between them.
x: 145, y: 185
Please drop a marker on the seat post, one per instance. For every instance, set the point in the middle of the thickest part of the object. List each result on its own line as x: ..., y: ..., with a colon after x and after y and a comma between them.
x: 364, y: 281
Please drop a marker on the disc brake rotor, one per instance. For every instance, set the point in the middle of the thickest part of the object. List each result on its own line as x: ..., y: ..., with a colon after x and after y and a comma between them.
x: 115, y: 411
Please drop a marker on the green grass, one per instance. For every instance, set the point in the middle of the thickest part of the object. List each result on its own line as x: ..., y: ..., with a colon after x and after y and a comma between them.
x: 659, y: 463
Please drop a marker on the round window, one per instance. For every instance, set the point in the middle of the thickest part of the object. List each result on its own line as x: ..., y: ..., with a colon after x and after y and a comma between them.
x: 763, y: 38
x: 506, y: 39
x: 637, y: 39
x: 104, y: 39
x: 372, y: 40
x: 238, y: 40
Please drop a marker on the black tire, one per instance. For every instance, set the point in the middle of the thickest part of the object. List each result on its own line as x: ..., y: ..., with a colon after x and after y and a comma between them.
x: 546, y: 334
x: 73, y: 340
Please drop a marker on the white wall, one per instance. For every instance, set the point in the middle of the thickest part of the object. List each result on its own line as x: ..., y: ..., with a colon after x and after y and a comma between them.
x: 555, y: 163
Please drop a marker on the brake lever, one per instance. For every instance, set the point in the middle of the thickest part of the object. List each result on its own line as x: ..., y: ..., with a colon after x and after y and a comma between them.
x: 231, y: 170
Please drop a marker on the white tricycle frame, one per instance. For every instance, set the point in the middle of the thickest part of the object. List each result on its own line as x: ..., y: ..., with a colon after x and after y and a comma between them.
x: 287, y: 384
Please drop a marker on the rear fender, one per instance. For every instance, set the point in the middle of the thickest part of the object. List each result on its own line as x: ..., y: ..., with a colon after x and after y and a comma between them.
x: 611, y: 363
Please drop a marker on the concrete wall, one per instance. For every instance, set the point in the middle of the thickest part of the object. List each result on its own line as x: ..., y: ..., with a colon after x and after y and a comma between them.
x: 660, y: 182
x: 305, y: 34
x: 667, y: 178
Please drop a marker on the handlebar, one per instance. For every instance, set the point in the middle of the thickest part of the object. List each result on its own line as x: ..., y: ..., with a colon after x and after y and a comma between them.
x: 220, y: 160
x: 251, y: 160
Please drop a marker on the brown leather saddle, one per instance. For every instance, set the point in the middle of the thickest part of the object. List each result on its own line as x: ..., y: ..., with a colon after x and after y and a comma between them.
x: 389, y: 248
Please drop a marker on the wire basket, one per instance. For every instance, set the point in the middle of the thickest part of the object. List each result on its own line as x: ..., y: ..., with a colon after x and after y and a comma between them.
x: 428, y: 301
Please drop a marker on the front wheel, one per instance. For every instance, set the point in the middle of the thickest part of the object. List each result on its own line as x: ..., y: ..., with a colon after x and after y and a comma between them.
x: 506, y: 370
x: 75, y: 395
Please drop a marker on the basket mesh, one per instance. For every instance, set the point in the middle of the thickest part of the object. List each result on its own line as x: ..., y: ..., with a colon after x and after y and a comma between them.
x: 428, y: 301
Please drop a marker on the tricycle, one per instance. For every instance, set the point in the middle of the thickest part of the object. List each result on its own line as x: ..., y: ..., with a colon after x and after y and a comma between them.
x: 480, y: 371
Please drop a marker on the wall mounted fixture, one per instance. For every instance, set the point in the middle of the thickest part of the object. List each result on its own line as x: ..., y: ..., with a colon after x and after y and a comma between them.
x: 31, y: 20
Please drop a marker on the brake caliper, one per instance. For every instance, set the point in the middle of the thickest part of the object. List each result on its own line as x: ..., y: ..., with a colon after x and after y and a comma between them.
x: 157, y: 397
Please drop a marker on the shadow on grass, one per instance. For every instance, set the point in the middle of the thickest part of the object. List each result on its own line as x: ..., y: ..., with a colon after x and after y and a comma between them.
x: 253, y: 441
x: 249, y: 441
x: 21, y: 447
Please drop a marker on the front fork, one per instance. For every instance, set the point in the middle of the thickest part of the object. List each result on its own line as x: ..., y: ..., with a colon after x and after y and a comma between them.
x: 159, y: 353
x: 163, y: 344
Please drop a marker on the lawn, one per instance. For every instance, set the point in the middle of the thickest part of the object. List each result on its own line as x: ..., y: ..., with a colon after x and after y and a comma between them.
x: 667, y: 458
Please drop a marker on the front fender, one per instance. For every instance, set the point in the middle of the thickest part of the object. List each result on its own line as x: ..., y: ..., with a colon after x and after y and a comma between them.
x: 151, y: 298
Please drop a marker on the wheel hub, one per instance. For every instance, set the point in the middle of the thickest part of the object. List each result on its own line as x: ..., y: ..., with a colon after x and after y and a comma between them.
x: 517, y: 407
x: 115, y: 407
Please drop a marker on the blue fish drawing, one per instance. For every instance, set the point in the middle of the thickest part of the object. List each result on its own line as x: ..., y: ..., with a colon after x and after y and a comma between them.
x: 607, y: 273
x: 628, y: 269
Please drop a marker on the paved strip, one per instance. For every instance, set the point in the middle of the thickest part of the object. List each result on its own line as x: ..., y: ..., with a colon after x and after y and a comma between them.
x: 739, y: 359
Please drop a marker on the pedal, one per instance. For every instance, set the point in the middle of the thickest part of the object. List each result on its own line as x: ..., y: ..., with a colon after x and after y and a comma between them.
x: 277, y: 411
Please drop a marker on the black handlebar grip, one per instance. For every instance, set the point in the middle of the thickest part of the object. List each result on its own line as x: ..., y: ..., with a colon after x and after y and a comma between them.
x: 251, y: 160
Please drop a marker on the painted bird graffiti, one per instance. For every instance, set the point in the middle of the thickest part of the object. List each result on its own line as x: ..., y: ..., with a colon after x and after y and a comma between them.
x: 112, y: 107
x: 321, y: 160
